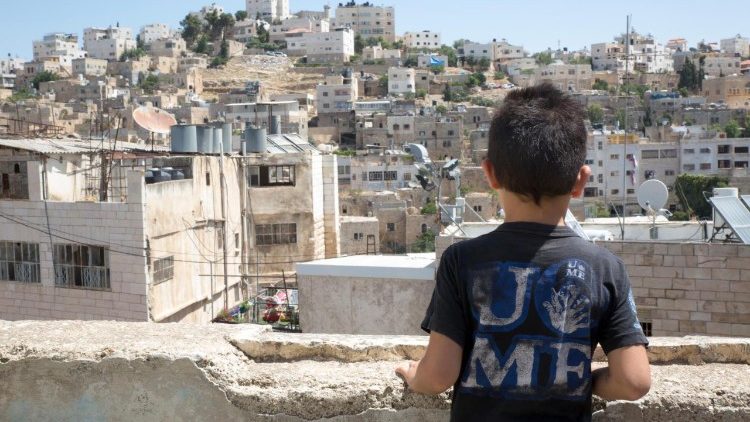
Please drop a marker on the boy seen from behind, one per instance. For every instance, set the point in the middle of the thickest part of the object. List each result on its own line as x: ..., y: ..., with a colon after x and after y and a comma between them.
x: 517, y: 314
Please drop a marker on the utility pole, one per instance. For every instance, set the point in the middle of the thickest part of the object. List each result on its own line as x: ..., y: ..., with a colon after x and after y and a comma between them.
x: 224, y: 212
x: 625, y: 126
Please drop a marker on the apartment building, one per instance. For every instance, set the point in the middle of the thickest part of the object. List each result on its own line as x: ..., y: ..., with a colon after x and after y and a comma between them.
x: 566, y: 77
x: 391, y: 170
x: 423, y: 39
x: 401, y: 80
x: 336, y: 94
x: 155, y: 31
x: 367, y: 20
x: 478, y: 51
x: 95, y: 89
x: 11, y: 65
x: 736, y: 46
x: 108, y: 43
x: 500, y: 51
x: 608, y: 56
x: 89, y: 67
x: 162, y: 251
x: 62, y: 47
x: 377, y: 52
x: 442, y: 136
x: 322, y: 47
x: 279, y: 29
x: 646, y: 55
x: 268, y: 10
x: 168, y: 47
x: 734, y: 91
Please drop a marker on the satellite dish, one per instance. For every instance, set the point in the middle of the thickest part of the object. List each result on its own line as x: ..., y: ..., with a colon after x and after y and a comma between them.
x: 154, y: 119
x: 652, y: 194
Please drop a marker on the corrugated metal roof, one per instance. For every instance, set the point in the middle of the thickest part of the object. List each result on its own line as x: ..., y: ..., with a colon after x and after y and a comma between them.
x: 74, y: 146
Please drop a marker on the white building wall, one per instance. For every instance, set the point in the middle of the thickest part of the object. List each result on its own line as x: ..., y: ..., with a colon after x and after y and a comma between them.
x: 423, y: 39
x: 401, y: 81
x: 154, y: 31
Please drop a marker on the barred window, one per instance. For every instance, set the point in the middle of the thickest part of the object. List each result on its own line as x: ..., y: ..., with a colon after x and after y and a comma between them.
x: 163, y: 269
x: 376, y: 176
x: 19, y: 261
x: 81, y: 266
x: 391, y: 176
x: 275, y: 234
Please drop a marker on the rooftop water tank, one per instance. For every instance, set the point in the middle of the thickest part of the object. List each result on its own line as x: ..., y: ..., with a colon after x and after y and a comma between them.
x: 175, y: 173
x: 184, y: 138
x: 255, y: 139
x: 161, y: 175
x: 275, y: 125
x: 227, y: 137
x: 218, y: 140
x: 205, y: 139
x: 149, y: 177
x: 720, y: 192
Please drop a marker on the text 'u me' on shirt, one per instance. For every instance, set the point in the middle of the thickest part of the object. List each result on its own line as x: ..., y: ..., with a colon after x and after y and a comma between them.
x: 528, y: 303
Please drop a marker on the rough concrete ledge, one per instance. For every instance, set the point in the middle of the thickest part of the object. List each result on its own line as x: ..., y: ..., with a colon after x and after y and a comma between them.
x: 151, y: 372
x: 278, y: 347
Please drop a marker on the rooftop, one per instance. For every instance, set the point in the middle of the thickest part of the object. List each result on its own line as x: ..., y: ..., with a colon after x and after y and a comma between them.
x: 409, y: 267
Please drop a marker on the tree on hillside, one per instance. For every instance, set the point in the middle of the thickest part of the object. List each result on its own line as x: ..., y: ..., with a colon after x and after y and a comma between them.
x: 263, y: 35
x: 691, y: 78
x: 202, y: 46
x: 451, y: 54
x: 484, y: 64
x: 240, y: 15
x: 44, y: 76
x: 192, y: 28
x: 732, y: 129
x: 600, y: 85
x: 595, y: 113
x: 689, y: 189
x: 543, y: 58
x: 359, y: 44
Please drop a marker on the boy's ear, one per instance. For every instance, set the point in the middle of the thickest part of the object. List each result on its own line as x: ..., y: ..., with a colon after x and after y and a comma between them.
x: 583, y: 177
x: 489, y: 172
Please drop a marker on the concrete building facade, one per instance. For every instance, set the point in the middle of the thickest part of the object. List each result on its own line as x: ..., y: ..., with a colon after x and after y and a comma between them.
x: 63, y: 47
x: 423, y: 39
x: 322, y: 47
x: 367, y: 20
x: 155, y: 31
x: 108, y: 43
x: 268, y: 10
x: 401, y: 81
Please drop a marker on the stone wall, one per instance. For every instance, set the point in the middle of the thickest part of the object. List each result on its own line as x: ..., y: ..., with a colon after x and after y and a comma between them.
x: 154, y: 372
x: 689, y: 288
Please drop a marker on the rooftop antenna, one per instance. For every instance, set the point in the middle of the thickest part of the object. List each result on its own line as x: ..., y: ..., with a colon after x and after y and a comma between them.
x: 625, y: 126
x: 652, y: 196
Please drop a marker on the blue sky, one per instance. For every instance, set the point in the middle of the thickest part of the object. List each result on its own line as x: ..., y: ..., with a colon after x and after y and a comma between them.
x: 536, y: 24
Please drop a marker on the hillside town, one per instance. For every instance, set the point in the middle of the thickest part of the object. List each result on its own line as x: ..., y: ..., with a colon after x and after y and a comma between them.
x: 283, y: 186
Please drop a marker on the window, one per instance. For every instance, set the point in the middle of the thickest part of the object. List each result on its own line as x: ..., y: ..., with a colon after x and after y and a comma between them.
x: 615, y: 191
x: 688, y: 167
x: 649, y: 153
x: 740, y: 164
x: 407, y: 177
x: 376, y: 176
x: 725, y: 164
x: 589, y: 192
x: 614, y: 173
x: 740, y: 150
x: 19, y: 261
x: 705, y: 150
x: 163, y: 269
x: 614, y: 156
x: 631, y: 191
x: 446, y: 144
x: 723, y: 149
x: 705, y: 166
x: 688, y: 151
x: 477, y: 208
x: 265, y: 176
x: 600, y: 178
x: 647, y: 329
x: 668, y: 153
x: 81, y: 266
x: 589, y: 162
x: 275, y: 234
x: 358, y: 236
x: 391, y: 227
x: 390, y: 176
x: 208, y: 179
x: 669, y: 172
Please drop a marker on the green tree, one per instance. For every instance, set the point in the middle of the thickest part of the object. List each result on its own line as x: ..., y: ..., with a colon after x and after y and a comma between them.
x: 450, y: 53
x: 499, y: 75
x: 421, y: 93
x: 263, y: 35
x: 240, y: 15
x: 732, y: 129
x: 691, y: 78
x: 149, y: 84
x: 600, y: 85
x: 484, y: 64
x: 595, y: 113
x: 441, y: 109
x: 684, y: 92
x: 44, y: 76
x: 429, y: 209
x: 425, y: 243
x: 543, y: 58
x: 139, y: 43
x: 437, y: 69
x: 201, y: 47
x: 476, y: 79
x: 359, y: 44
x: 132, y: 54
x: 689, y: 189
x: 383, y: 82
x: 192, y: 29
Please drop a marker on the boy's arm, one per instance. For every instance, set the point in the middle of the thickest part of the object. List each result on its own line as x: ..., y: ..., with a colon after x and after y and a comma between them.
x: 439, y: 368
x: 628, y: 376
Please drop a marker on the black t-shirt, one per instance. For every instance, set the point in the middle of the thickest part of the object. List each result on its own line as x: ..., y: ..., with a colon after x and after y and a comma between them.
x: 529, y: 303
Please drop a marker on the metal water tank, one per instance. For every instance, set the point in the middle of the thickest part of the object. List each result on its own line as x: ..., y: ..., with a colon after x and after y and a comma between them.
x: 149, y: 177
x: 275, y: 125
x: 227, y: 137
x: 184, y: 138
x: 205, y: 139
x: 161, y: 175
x: 176, y: 174
x: 255, y: 139
x: 218, y: 140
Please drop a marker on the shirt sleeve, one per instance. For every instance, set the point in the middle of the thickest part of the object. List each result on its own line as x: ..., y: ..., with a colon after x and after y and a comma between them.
x: 621, y: 328
x: 445, y: 313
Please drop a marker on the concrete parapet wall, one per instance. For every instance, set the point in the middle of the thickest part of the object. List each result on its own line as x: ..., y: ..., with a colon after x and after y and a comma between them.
x: 149, y: 372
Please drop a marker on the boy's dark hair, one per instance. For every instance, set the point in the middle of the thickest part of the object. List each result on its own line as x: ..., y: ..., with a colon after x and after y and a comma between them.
x: 537, y: 142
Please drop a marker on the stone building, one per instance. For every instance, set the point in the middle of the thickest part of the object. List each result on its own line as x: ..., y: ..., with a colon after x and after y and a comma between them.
x: 360, y: 235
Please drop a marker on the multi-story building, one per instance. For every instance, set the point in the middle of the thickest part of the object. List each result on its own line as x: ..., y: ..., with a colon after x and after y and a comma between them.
x: 443, y: 136
x: 336, y: 94
x: 279, y: 29
x: 646, y: 55
x: 608, y: 56
x: 11, y: 65
x: 367, y: 20
x: 423, y: 39
x: 155, y: 31
x: 89, y: 67
x: 62, y: 47
x: 738, y: 46
x: 390, y: 56
x: 168, y: 47
x: 386, y: 172
x: 718, y: 65
x: 401, y: 81
x: 108, y: 43
x: 478, y: 51
x: 268, y: 10
x: 566, y: 77
x: 245, y: 30
x: 148, y: 250
x: 734, y: 91
x: 505, y: 51
x: 322, y: 47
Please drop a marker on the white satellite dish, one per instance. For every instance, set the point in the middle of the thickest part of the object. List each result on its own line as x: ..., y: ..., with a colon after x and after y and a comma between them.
x: 652, y: 195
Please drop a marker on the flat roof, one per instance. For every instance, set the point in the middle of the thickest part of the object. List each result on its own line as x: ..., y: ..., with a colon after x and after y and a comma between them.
x: 357, y: 219
x: 400, y: 267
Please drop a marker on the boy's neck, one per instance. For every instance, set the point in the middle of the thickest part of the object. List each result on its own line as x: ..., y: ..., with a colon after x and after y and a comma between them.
x: 518, y: 209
